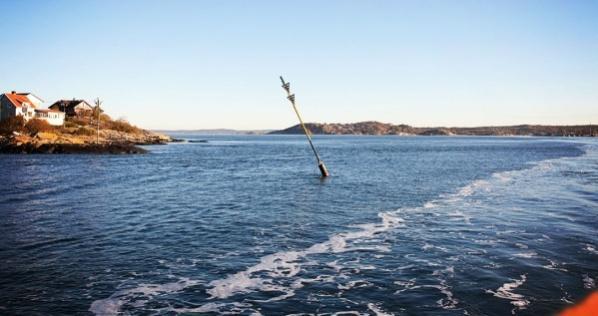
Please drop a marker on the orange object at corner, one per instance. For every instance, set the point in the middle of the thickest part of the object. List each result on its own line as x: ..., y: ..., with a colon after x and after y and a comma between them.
x: 587, y: 307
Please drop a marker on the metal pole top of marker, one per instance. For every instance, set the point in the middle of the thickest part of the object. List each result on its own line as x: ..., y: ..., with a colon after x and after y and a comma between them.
x: 291, y: 97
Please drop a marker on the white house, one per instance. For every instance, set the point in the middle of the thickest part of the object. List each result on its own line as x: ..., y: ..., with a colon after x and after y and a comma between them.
x: 28, y: 106
x: 35, y: 100
x: 72, y: 107
x: 53, y: 117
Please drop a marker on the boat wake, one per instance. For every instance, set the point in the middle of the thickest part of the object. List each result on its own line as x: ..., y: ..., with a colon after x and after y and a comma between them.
x: 280, y: 272
x: 506, y: 292
x: 288, y: 263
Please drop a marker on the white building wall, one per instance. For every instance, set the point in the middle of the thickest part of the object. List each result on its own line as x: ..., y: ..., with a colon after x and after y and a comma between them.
x: 27, y: 111
x: 56, y: 118
x: 53, y: 118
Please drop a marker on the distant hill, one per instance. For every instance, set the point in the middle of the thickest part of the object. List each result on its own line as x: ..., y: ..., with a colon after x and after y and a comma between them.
x: 377, y: 128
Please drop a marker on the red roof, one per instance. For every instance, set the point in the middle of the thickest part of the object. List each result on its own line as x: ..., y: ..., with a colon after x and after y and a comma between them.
x: 18, y: 99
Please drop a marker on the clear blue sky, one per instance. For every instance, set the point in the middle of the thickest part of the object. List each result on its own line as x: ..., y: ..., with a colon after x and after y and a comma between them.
x: 210, y: 64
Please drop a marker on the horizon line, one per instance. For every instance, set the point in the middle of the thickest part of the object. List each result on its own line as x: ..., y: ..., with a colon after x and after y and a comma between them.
x: 438, y: 126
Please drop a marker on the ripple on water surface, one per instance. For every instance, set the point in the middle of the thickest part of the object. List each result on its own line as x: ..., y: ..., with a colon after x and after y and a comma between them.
x: 426, y: 225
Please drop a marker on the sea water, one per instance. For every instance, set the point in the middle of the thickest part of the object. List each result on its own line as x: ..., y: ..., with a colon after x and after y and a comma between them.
x: 244, y: 225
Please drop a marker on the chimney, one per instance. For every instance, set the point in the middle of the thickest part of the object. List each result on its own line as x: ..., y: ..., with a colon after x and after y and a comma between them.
x: 13, y: 92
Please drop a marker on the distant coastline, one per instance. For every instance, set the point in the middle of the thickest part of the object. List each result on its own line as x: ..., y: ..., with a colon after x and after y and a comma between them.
x: 217, y: 131
x: 378, y: 128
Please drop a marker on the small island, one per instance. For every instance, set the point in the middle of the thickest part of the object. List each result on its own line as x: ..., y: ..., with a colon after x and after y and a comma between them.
x: 67, y: 127
x: 377, y: 128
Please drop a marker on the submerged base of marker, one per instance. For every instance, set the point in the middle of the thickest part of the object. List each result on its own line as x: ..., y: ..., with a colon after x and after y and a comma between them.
x: 323, y: 169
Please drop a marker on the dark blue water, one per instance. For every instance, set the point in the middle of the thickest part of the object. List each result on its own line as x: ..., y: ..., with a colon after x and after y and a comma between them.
x: 244, y: 225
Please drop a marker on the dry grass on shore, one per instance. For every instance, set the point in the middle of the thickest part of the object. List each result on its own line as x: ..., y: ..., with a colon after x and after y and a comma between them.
x: 81, y: 126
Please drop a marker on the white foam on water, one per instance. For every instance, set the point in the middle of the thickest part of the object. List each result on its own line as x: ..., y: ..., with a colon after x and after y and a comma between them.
x: 463, y: 192
x: 554, y: 266
x: 334, y: 265
x: 430, y: 205
x: 471, y: 188
x: 354, y: 284
x: 467, y: 191
x: 378, y: 311
x: 459, y: 214
x: 287, y: 263
x: 485, y: 241
x: 422, y: 261
x: 506, y: 292
x: 369, y: 267
x: 219, y: 308
x: 344, y: 313
x: 318, y: 279
x: 526, y: 255
x: 591, y: 249
x: 427, y: 246
x: 449, y: 302
x: 450, y: 270
x: 588, y: 282
x: 286, y: 293
x: 505, y: 176
x: 406, y: 284
x: 142, y: 293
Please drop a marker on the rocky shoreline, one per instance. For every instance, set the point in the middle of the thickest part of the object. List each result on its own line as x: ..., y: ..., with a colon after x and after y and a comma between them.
x: 111, y: 142
x: 111, y: 149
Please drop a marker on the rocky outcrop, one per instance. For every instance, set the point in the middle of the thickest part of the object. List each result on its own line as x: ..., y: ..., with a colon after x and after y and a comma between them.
x: 142, y: 138
x: 57, y: 148
x: 110, y: 142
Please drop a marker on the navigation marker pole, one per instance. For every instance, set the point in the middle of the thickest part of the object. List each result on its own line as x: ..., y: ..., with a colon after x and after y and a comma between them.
x: 98, y: 103
x: 287, y: 87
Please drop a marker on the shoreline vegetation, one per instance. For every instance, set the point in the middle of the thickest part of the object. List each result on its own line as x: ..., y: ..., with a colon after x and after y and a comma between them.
x: 78, y: 135
x: 377, y: 128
